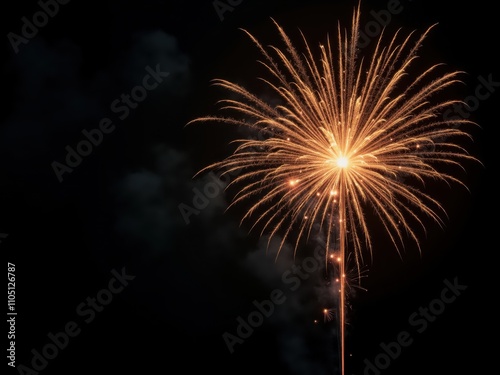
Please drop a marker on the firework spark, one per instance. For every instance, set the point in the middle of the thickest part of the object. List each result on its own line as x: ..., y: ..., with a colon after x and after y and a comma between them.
x: 328, y: 315
x: 345, y: 132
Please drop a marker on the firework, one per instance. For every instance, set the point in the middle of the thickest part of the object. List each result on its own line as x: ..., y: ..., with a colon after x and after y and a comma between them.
x: 328, y: 315
x: 350, y: 135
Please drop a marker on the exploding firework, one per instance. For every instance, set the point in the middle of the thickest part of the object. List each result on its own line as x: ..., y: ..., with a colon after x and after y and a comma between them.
x: 350, y: 136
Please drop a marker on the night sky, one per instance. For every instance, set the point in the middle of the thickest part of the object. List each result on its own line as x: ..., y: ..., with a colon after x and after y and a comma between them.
x: 101, y: 248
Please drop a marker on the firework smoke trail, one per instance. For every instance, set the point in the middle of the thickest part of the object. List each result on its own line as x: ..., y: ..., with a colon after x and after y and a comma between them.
x: 346, y: 132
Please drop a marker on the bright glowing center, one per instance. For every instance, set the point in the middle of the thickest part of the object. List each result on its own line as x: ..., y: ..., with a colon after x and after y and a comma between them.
x: 342, y: 162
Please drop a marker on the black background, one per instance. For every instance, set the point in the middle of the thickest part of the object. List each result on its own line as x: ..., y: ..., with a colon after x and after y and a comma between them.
x: 119, y: 207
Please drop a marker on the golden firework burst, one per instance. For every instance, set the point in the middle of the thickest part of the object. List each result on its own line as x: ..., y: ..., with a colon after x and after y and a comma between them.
x: 346, y: 131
